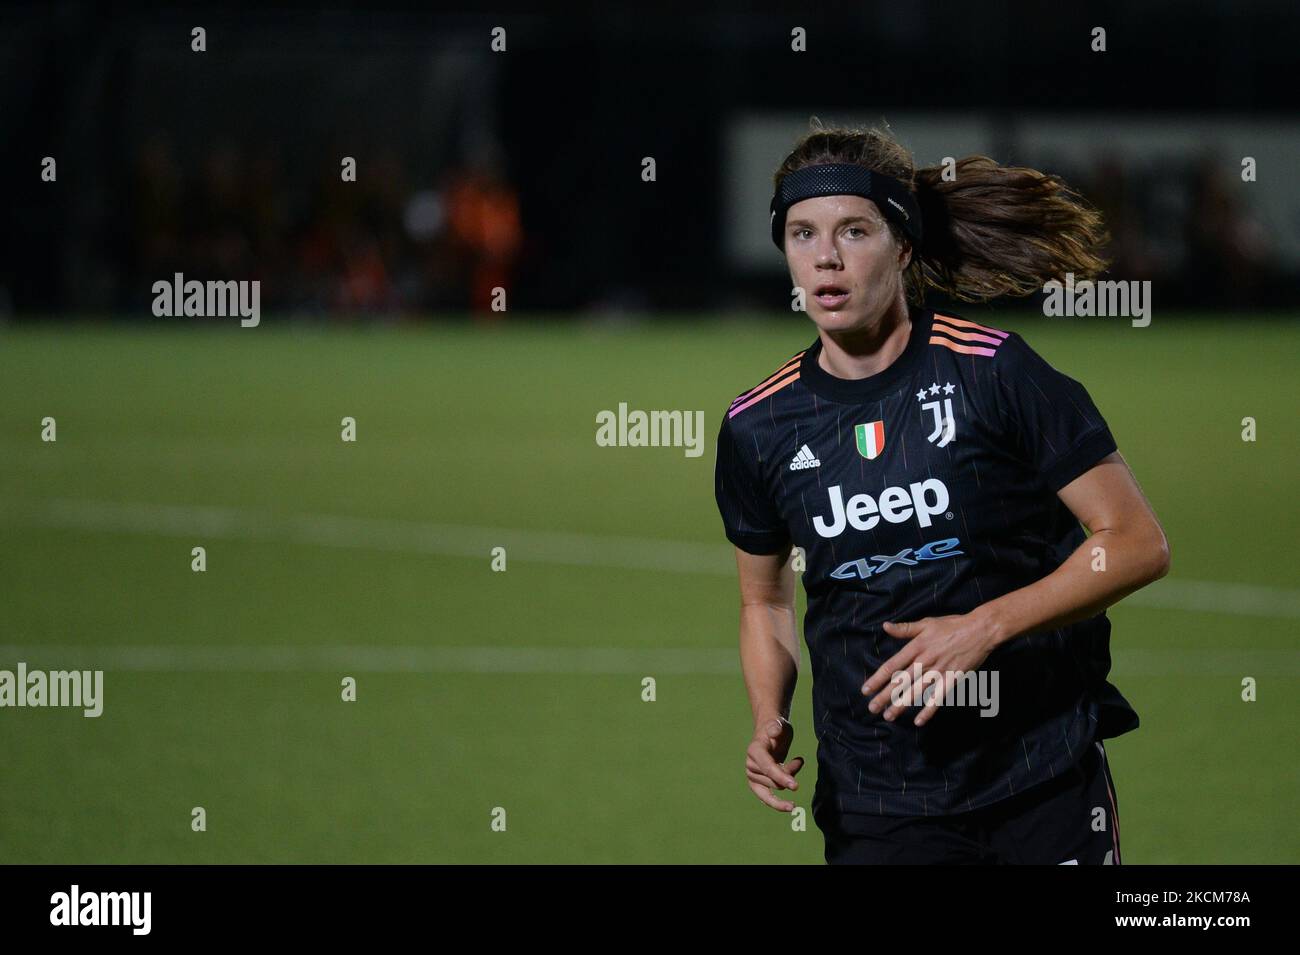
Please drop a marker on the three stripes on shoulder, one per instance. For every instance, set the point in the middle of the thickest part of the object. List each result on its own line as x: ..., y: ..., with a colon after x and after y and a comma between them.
x: 956, y: 334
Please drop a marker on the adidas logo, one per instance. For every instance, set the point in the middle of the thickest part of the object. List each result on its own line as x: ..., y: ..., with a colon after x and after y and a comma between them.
x: 804, y: 459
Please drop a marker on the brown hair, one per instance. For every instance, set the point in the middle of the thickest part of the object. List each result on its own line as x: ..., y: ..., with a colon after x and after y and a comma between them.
x: 992, y: 230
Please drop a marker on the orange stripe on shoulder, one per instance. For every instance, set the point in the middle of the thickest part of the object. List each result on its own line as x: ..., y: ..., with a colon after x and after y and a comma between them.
x: 786, y: 367
x: 767, y: 392
x: 953, y: 320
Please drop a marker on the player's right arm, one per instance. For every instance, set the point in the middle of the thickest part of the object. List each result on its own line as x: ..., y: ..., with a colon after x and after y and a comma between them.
x: 769, y: 658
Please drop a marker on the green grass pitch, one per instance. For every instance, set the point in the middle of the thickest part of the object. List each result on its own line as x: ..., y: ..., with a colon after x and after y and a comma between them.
x: 522, y: 689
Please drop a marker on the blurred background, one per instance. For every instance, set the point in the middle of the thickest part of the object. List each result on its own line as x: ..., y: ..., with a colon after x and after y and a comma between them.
x: 479, y: 168
x: 475, y: 429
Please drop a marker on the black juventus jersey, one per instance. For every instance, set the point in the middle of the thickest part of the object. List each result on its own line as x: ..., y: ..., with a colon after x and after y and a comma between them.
x: 926, y: 489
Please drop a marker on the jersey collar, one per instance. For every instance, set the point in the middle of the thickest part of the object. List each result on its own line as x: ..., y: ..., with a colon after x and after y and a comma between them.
x: 852, y: 390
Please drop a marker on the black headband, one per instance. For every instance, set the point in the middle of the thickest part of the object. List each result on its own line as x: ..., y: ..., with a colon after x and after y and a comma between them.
x: 894, y: 199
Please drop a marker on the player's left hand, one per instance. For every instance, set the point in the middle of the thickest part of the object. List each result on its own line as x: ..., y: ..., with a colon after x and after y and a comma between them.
x: 955, y: 643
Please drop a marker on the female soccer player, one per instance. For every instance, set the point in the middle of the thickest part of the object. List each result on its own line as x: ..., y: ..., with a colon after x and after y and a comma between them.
x: 934, y: 471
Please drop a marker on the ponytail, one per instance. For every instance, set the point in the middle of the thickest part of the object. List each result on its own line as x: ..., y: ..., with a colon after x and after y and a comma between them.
x: 989, y: 230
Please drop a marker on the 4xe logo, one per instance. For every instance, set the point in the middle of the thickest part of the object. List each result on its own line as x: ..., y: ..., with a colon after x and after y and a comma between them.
x: 861, y: 569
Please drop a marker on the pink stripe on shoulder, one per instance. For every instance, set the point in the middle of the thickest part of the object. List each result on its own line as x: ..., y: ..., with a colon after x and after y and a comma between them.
x: 965, y: 324
x: 959, y: 330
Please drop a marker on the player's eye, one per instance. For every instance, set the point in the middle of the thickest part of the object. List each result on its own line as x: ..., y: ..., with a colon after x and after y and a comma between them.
x: 854, y: 228
x: 798, y: 233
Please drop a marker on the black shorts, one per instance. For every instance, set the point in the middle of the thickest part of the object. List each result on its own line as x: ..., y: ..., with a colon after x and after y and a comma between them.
x: 1070, y: 820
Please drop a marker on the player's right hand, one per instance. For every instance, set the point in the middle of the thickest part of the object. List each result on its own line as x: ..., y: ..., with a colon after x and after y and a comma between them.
x: 764, y: 764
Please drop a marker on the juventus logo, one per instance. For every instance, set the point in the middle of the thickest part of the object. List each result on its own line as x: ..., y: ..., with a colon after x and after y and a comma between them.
x: 945, y: 422
x: 945, y: 425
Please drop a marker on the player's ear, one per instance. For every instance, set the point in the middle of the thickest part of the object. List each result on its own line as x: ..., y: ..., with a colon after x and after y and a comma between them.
x: 904, y: 255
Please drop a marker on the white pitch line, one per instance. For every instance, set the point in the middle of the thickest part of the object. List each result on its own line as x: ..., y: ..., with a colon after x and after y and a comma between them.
x: 547, y: 547
x: 421, y: 537
x: 1212, y: 596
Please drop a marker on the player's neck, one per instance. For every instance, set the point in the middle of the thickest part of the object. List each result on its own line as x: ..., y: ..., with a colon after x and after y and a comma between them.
x: 868, y: 351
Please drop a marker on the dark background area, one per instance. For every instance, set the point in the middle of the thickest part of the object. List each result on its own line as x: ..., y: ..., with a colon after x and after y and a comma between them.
x: 522, y: 169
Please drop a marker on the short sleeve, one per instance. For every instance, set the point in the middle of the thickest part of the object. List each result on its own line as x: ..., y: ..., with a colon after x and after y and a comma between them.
x: 1049, y: 417
x: 749, y: 516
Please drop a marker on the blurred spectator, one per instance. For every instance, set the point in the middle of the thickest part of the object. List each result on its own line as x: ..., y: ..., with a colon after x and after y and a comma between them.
x: 483, y: 217
x: 379, y: 245
x: 1228, y: 255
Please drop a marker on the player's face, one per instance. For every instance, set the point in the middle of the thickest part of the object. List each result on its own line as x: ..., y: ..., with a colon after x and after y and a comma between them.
x: 843, y: 241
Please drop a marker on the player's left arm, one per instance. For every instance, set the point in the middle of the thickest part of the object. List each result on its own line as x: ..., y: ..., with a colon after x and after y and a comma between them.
x: 1126, y: 550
